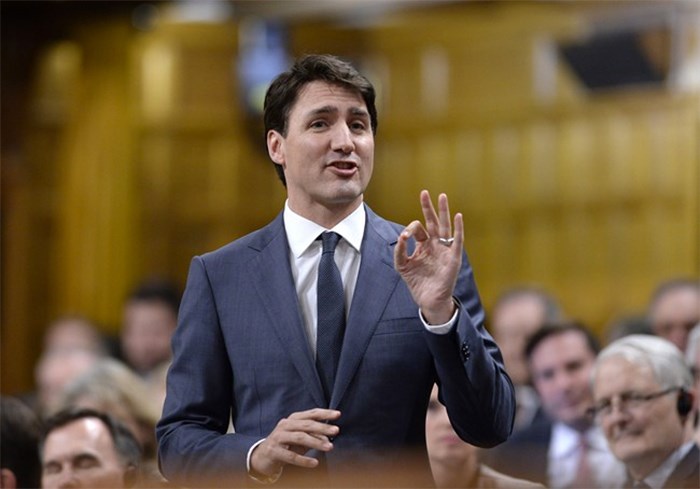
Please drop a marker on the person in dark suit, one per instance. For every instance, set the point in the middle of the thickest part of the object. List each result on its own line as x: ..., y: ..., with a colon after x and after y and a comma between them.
x: 251, y: 346
x: 644, y: 394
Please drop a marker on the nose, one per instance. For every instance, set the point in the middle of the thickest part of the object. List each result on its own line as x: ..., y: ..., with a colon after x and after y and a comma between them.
x: 618, y: 412
x: 67, y: 480
x: 342, y: 139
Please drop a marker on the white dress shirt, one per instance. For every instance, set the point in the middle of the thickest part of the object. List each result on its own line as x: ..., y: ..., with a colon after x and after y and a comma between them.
x: 565, y: 451
x: 305, y: 256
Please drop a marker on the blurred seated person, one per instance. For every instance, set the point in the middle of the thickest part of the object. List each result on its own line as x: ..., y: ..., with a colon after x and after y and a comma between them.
x: 455, y: 463
x: 55, y: 370
x: 517, y: 313
x: 111, y: 387
x: 156, y: 383
x: 19, y: 448
x: 625, y: 325
x: 644, y: 399
x: 674, y: 309
x: 150, y: 318
x: 74, y: 332
x: 87, y: 448
x: 563, y: 449
x: 692, y: 358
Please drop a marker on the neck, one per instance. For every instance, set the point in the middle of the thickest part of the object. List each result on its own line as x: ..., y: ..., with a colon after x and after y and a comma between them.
x: 642, y: 467
x: 450, y: 476
x: 327, y: 215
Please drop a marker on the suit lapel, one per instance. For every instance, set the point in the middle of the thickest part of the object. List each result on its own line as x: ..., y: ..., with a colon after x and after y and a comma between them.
x: 368, y: 303
x: 272, y: 278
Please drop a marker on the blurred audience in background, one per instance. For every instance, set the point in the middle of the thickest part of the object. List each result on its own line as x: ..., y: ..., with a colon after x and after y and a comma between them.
x: 150, y: 318
x: 54, y: 371
x: 111, y: 387
x: 74, y: 332
x: 644, y: 397
x: 564, y: 448
x: 87, y: 448
x: 674, y: 309
x: 625, y: 325
x: 20, y: 429
x: 71, y: 345
x: 549, y: 360
x: 517, y: 313
x: 692, y: 359
x: 455, y: 463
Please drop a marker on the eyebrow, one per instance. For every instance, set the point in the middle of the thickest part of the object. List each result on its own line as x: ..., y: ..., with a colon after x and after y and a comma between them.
x: 329, y: 109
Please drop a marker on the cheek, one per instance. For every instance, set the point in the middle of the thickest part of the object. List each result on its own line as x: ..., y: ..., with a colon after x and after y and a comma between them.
x: 607, y: 428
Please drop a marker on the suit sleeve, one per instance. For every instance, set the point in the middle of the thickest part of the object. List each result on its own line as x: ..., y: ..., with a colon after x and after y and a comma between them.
x: 194, y: 448
x: 473, y: 384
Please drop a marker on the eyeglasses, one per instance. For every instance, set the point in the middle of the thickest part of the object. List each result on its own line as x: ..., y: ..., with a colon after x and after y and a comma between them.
x: 627, y: 401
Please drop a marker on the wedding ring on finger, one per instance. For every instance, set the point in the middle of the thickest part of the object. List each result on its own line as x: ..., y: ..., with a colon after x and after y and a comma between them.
x: 446, y: 241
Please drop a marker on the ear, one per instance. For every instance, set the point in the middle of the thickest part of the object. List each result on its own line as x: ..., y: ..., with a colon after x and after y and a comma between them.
x: 275, y: 147
x: 7, y: 479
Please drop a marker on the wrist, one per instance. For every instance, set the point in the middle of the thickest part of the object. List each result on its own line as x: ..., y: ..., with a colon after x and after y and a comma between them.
x: 255, y: 472
x: 440, y: 313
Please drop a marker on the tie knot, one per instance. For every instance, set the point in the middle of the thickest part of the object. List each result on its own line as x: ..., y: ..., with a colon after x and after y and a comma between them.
x: 330, y: 241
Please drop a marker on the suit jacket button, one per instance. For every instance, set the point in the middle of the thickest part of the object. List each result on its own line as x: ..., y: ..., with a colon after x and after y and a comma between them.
x: 464, y: 350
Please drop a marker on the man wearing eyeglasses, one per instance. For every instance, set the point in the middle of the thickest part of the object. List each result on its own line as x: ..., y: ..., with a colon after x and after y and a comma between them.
x: 643, y: 393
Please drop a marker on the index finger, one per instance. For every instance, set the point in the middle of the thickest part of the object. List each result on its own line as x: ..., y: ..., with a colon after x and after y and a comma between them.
x: 318, y: 414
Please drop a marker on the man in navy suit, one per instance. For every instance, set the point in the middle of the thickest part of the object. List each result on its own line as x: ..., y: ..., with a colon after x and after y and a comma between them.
x: 644, y: 401
x: 245, y: 346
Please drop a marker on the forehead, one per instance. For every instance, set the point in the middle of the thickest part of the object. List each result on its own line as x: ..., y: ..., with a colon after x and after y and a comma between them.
x: 683, y: 298
x: 561, y: 347
x: 79, y: 436
x: 617, y: 374
x: 319, y: 94
x: 517, y: 312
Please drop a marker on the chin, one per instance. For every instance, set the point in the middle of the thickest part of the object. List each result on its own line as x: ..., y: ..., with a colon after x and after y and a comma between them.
x: 627, y: 451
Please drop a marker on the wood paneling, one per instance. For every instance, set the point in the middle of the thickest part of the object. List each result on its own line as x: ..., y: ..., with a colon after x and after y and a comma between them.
x: 138, y: 155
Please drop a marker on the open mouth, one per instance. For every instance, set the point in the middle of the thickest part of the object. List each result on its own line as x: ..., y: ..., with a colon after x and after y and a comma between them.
x: 345, y: 169
x: 344, y: 165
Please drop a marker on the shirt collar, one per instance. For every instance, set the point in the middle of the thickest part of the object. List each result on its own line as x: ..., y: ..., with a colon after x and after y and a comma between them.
x: 659, y: 476
x: 565, y: 440
x: 302, y: 232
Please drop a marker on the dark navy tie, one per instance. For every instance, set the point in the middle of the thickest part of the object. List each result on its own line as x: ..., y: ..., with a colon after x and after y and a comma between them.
x: 331, y: 314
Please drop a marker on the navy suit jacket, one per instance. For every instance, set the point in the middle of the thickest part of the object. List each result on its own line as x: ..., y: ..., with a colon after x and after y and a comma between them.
x: 240, y: 352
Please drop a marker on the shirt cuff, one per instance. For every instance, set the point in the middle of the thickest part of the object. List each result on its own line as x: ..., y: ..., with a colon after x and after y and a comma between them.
x: 269, y: 479
x: 440, y: 328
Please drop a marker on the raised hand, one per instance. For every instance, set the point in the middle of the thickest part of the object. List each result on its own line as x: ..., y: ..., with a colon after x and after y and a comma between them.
x: 431, y: 271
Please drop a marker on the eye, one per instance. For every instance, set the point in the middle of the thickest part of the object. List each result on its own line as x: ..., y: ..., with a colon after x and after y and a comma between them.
x: 604, y: 406
x: 358, y: 126
x: 85, y: 462
x: 546, y: 375
x: 318, y: 124
x: 52, y: 468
